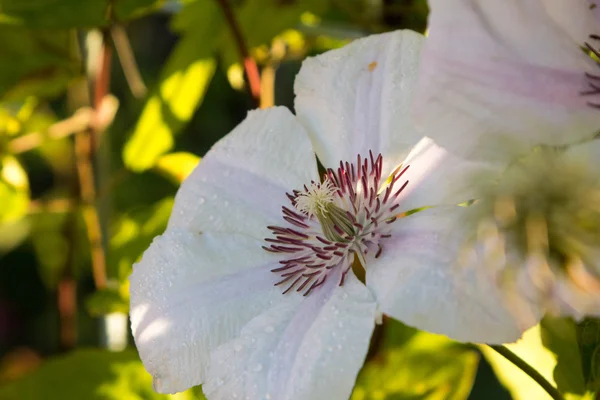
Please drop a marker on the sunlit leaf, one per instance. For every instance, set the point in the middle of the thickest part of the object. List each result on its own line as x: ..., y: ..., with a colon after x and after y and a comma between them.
x: 89, y: 374
x: 417, y: 365
x: 71, y: 13
x: 177, y: 166
x: 12, y: 234
x: 14, y: 190
x: 541, y: 347
x: 179, y: 93
x: 261, y: 20
x: 41, y: 62
x: 530, y: 349
x: 133, y: 233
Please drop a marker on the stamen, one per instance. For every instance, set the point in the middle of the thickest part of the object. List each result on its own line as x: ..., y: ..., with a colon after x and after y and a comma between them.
x: 593, y: 80
x: 333, y: 220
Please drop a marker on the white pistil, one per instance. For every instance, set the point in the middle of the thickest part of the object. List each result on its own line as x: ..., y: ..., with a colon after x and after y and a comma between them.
x: 316, y: 198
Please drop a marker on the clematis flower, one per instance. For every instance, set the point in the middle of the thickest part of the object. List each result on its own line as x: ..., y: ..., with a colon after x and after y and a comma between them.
x: 251, y: 290
x: 515, y: 83
x: 503, y: 77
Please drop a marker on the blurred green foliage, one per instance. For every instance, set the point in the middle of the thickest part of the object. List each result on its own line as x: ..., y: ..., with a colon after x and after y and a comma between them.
x: 51, y: 306
x: 89, y: 374
x: 411, y: 364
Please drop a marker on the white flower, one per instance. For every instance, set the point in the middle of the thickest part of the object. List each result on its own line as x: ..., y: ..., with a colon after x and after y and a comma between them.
x: 251, y: 290
x: 504, y: 76
x: 508, y: 82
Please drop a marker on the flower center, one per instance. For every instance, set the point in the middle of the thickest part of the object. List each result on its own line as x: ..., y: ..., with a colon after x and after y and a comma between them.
x: 331, y: 222
x: 547, y: 207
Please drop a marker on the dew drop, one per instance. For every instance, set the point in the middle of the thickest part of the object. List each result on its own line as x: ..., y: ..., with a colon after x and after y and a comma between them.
x: 238, y: 347
x: 220, y: 382
x: 269, y: 329
x: 201, y: 200
x: 257, y: 368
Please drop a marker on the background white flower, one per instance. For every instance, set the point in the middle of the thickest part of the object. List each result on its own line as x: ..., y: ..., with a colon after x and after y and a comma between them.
x: 503, y: 76
x: 204, y: 305
x: 509, y: 83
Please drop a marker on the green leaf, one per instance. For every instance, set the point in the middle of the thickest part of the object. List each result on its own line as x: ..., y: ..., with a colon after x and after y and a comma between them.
x: 177, y: 166
x: 71, y: 13
x: 89, y: 374
x: 134, y: 233
x: 417, y: 365
x: 41, y: 63
x: 588, y: 337
x: 14, y: 190
x: 109, y: 300
x: 261, y: 20
x: 551, y: 349
x: 559, y: 335
x: 179, y: 93
x: 51, y: 245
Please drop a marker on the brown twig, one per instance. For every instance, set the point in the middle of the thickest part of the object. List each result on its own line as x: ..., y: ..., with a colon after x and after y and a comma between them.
x: 79, y: 121
x: 86, y: 144
x: 127, y: 60
x: 250, y: 67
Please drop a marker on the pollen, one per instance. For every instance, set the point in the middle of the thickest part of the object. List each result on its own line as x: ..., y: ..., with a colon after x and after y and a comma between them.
x: 314, y: 199
x: 372, y: 66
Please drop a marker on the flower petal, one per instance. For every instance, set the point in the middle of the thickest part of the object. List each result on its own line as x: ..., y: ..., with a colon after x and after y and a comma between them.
x: 358, y: 98
x: 311, y: 350
x: 500, y: 77
x: 417, y: 280
x: 192, y: 292
x: 577, y: 18
x: 241, y: 183
x: 437, y: 177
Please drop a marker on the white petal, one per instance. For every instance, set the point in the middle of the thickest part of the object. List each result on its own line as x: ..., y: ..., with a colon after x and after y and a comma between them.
x: 437, y: 177
x: 240, y: 185
x: 578, y: 18
x: 311, y: 350
x: 358, y: 98
x: 571, y: 300
x: 192, y: 292
x: 500, y: 77
x: 417, y: 281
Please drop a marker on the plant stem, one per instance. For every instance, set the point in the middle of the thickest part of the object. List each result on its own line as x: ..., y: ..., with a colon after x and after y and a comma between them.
x: 250, y: 67
x: 529, y: 370
x: 86, y: 145
x: 128, y: 64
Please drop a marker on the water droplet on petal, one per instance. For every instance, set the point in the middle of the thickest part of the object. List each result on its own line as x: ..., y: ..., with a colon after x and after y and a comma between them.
x: 201, y: 200
x: 258, y: 368
x: 238, y: 347
x: 269, y: 329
